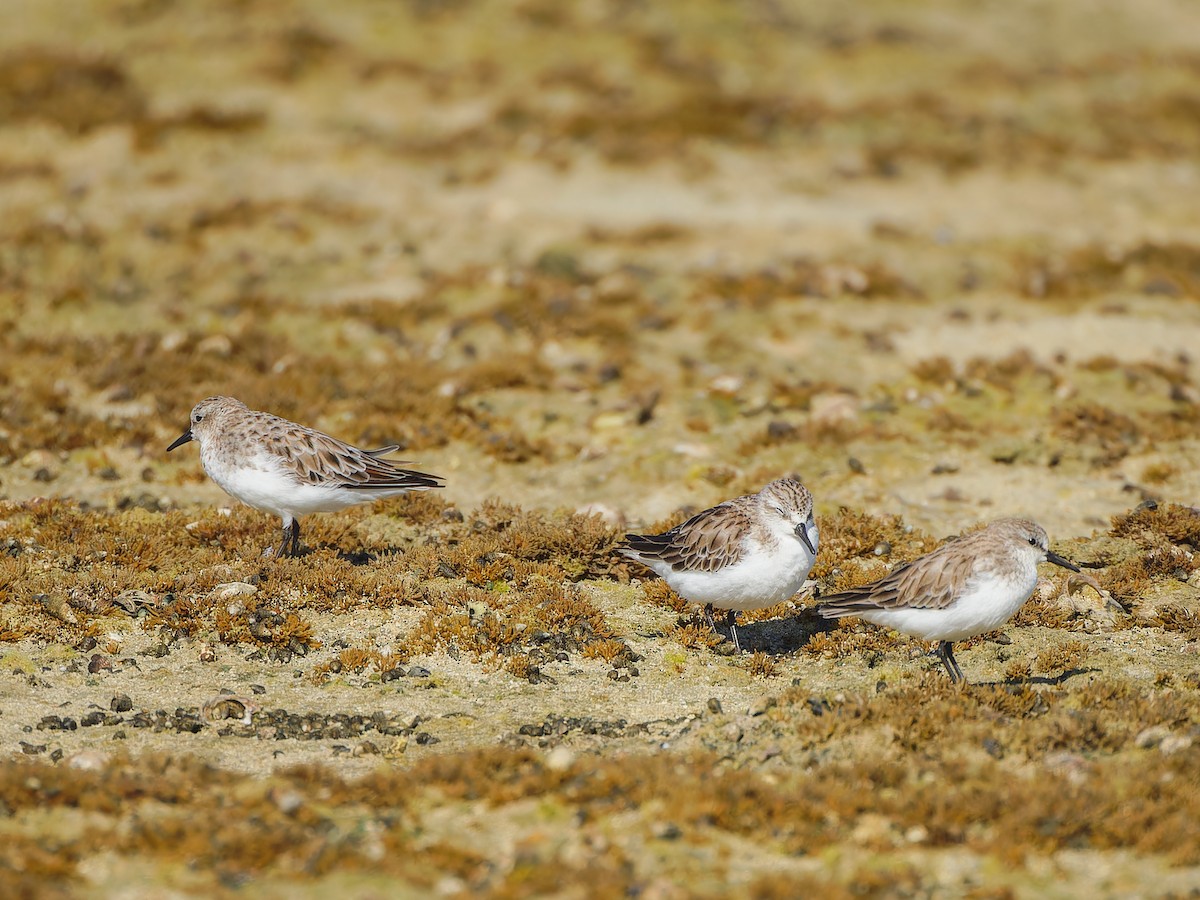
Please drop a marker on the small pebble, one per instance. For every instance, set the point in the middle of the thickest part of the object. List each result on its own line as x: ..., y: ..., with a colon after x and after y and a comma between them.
x: 666, y: 831
x: 560, y: 759
x: 1074, y: 767
x: 761, y: 705
x: 1173, y: 743
x: 286, y: 800
x: 1151, y: 737
x: 779, y: 430
x: 231, y: 589
x: 88, y: 760
x: 57, y: 607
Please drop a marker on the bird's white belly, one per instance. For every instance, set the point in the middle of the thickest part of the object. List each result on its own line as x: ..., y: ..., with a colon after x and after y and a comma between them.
x: 761, y: 578
x: 274, y: 491
x: 988, y: 604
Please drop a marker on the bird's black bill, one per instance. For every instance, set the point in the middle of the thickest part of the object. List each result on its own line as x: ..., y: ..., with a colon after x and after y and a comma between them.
x: 1059, y: 561
x: 187, y: 436
x: 802, y: 533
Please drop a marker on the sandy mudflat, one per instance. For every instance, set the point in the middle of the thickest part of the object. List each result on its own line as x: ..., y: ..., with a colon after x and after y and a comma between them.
x: 598, y: 264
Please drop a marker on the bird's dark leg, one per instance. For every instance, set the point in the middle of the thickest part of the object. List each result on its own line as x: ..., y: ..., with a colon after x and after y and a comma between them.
x: 945, y: 652
x: 290, y: 545
x: 730, y: 622
x: 957, y: 668
x: 281, y: 550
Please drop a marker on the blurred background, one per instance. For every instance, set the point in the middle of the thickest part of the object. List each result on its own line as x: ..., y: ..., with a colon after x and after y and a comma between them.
x: 939, y: 258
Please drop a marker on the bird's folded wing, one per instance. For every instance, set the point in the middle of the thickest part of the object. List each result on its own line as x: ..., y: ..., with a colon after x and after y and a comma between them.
x: 708, y: 541
x: 932, y: 582
x: 317, y: 458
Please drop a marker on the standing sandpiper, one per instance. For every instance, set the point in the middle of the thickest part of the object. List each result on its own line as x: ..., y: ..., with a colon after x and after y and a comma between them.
x: 967, y: 586
x: 290, y: 470
x: 745, y: 553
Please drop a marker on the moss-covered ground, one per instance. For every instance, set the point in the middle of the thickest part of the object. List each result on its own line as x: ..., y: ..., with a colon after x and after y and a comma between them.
x: 598, y: 264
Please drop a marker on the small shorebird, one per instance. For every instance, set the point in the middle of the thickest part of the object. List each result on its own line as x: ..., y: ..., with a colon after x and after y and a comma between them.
x: 745, y: 553
x: 969, y: 585
x: 275, y: 465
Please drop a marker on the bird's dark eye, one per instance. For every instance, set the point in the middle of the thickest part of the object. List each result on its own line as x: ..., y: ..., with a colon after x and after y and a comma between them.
x: 197, y: 419
x: 1033, y: 542
x: 779, y: 510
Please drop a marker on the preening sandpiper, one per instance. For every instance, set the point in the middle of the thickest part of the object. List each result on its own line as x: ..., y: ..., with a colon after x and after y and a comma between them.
x: 745, y: 553
x: 970, y: 585
x: 276, y: 465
